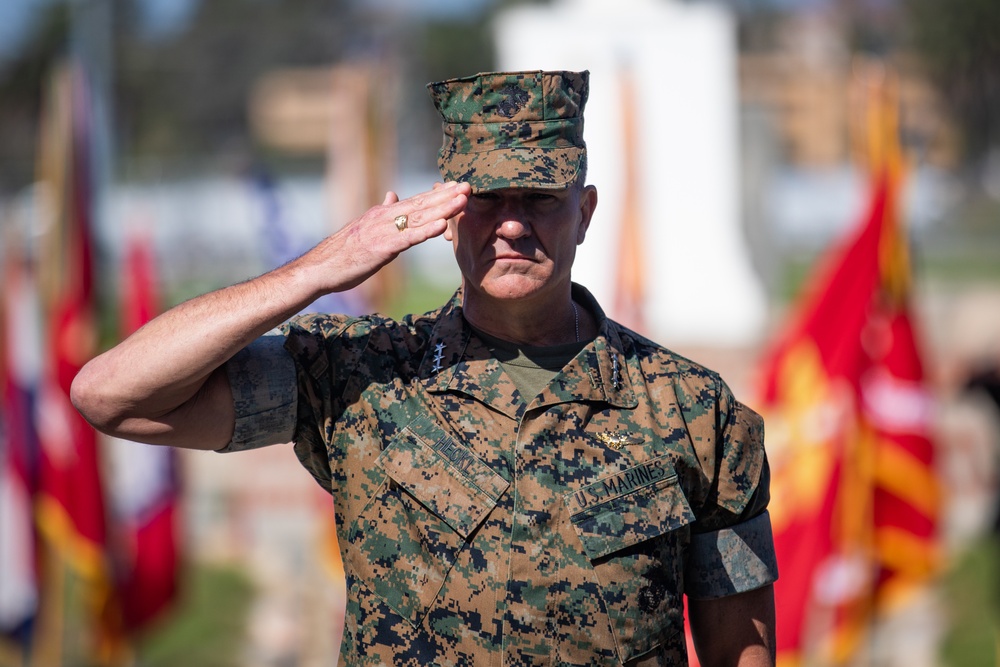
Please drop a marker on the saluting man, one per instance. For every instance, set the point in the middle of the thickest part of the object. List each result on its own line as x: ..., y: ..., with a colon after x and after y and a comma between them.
x: 518, y: 479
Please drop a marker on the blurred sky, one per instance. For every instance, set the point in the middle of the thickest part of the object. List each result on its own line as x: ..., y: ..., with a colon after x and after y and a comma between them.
x: 160, y: 17
x: 16, y: 17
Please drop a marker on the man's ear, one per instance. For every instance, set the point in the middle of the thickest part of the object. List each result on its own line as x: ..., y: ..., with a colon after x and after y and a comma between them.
x: 449, y: 235
x: 588, y: 202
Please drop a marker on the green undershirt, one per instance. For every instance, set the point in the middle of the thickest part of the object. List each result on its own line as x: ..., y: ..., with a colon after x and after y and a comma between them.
x: 530, y: 368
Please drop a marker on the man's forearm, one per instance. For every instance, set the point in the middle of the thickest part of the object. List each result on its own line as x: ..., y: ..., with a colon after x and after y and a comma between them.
x: 165, y: 383
x: 159, y: 382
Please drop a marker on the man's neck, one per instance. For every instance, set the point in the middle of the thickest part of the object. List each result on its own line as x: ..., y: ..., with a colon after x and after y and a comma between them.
x: 534, y: 322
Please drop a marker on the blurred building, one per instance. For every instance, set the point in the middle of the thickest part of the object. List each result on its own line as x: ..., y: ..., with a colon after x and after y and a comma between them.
x: 667, y: 241
x: 805, y: 82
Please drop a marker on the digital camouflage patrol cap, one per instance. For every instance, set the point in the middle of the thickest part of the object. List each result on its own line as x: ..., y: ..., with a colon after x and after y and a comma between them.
x: 512, y: 129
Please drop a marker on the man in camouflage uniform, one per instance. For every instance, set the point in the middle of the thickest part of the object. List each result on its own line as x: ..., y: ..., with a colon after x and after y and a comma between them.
x: 518, y: 480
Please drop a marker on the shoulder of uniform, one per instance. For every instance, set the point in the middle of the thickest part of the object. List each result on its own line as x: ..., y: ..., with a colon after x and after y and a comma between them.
x: 658, y: 359
x: 328, y: 325
x: 358, y: 326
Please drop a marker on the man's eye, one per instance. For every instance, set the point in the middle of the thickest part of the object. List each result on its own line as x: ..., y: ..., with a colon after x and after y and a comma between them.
x: 485, y: 197
x: 541, y: 197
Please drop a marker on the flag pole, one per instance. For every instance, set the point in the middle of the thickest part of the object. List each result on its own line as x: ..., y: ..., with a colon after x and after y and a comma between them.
x: 868, y: 81
x: 47, y: 643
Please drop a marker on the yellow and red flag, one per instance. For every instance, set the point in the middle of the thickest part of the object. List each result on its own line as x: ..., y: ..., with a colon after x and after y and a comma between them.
x: 71, y: 503
x: 855, y: 499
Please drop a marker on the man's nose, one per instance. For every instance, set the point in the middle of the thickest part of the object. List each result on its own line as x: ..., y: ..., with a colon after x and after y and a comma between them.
x: 513, y: 227
x: 513, y: 219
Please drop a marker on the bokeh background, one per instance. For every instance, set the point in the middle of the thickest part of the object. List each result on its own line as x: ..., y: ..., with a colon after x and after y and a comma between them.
x: 728, y: 142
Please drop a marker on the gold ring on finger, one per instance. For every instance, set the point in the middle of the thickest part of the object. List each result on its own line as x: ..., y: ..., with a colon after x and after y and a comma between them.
x: 400, y: 222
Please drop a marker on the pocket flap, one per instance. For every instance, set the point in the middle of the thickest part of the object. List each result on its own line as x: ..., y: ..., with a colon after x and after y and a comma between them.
x: 444, y: 475
x: 629, y: 507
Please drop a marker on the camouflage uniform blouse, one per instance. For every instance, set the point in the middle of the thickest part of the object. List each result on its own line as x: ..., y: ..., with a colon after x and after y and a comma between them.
x: 480, y: 527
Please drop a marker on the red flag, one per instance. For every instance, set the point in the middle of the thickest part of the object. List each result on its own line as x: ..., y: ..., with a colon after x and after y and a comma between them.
x: 855, y: 498
x: 20, y: 361
x: 140, y: 296
x: 71, y: 509
x: 144, y: 486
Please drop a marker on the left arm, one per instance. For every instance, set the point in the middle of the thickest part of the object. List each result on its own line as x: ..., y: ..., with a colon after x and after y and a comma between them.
x: 736, y: 630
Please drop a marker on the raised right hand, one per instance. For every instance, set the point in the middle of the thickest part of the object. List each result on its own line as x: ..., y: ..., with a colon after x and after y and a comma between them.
x: 354, y: 253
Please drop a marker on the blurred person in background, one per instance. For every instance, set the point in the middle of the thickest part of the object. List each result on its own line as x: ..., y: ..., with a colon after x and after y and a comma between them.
x: 517, y: 478
x: 985, y: 378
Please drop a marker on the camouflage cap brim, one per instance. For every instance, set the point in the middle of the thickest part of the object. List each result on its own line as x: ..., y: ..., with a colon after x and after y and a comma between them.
x: 542, y: 168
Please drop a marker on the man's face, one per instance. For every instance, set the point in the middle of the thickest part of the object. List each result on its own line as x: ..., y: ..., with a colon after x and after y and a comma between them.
x: 517, y: 243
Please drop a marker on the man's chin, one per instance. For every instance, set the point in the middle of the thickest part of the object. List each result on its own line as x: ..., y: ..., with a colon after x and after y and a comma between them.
x: 511, y: 287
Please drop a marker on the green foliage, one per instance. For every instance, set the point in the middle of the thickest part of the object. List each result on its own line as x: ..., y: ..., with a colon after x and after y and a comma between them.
x: 22, y: 80
x: 449, y: 46
x: 965, y: 248
x: 972, y: 600
x: 960, y: 42
x: 208, y: 626
x: 418, y: 296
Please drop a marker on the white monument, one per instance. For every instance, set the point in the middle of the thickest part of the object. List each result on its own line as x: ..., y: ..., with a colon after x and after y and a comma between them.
x: 661, y: 131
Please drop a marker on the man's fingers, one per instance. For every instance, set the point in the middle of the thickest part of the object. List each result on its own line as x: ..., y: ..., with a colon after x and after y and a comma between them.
x: 443, y: 202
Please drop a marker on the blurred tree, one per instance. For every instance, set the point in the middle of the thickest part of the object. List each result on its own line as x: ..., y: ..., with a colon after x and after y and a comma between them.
x: 185, y: 95
x: 182, y: 96
x: 757, y: 25
x: 453, y: 49
x: 960, y: 42
x: 21, y: 81
x: 870, y: 27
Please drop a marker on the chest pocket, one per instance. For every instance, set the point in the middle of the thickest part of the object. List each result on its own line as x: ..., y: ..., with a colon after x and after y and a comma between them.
x: 632, y: 526
x: 408, y: 537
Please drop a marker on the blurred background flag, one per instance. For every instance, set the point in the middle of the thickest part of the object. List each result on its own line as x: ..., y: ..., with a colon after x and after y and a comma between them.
x: 630, y: 291
x: 144, y: 487
x: 71, y: 501
x: 20, y: 361
x: 855, y: 497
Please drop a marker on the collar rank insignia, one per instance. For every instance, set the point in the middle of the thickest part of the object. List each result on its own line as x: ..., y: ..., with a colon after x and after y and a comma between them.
x: 438, y: 358
x: 616, y: 373
x: 618, y: 439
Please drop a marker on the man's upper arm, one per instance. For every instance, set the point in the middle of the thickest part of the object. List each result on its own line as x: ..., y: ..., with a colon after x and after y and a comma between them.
x: 734, y: 630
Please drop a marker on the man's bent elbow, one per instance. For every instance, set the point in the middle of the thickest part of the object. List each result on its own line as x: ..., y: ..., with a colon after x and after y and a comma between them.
x: 204, y: 421
x: 91, y: 398
x: 99, y: 396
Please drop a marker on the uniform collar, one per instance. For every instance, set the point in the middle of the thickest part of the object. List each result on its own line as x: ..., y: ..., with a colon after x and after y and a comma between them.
x: 457, y: 360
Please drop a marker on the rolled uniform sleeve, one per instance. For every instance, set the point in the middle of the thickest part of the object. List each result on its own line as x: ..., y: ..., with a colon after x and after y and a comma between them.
x: 732, y: 560
x: 734, y: 551
x: 263, y: 381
